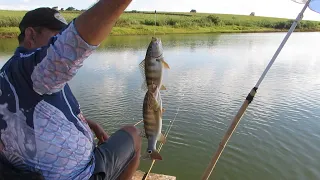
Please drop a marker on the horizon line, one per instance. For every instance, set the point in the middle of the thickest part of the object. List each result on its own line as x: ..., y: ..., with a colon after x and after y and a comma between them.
x: 130, y: 10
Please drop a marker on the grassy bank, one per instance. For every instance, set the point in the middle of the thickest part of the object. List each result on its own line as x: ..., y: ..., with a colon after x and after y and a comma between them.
x: 131, y: 23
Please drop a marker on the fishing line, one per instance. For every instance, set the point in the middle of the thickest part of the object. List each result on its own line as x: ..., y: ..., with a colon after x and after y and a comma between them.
x: 133, y: 125
x: 138, y: 123
x: 165, y: 135
x: 155, y: 22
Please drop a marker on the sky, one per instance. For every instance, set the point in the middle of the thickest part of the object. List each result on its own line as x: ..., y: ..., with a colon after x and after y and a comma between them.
x: 271, y: 8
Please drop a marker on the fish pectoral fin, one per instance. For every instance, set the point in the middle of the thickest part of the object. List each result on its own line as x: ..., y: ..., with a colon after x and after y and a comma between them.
x: 156, y: 106
x: 155, y: 155
x: 162, y: 138
x: 163, y: 88
x: 163, y: 110
x: 165, y: 64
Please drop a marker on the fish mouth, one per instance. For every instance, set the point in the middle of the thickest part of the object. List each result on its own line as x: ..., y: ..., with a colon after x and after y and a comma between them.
x: 155, y: 49
x: 156, y: 40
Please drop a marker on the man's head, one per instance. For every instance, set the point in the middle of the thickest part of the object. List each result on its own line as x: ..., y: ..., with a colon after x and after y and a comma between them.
x: 38, y: 26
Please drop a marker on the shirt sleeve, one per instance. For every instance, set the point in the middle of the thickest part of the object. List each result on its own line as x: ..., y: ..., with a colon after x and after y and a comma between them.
x: 63, y: 58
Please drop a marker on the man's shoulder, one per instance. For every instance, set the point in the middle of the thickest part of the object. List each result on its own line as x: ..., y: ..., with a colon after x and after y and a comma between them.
x: 24, y: 57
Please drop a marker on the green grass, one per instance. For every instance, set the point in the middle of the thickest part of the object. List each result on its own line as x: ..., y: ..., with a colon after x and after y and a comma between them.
x: 131, y: 23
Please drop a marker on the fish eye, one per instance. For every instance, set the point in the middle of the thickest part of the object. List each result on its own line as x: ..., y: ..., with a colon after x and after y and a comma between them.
x: 149, y: 151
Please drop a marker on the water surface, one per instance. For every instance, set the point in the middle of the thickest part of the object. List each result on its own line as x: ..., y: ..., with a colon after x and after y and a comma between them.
x: 210, y: 76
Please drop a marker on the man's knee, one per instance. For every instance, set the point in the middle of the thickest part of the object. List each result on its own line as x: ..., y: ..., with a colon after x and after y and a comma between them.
x: 135, y: 133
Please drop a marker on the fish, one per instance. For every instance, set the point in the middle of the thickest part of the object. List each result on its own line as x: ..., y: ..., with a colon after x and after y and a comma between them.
x: 153, y: 64
x: 152, y: 118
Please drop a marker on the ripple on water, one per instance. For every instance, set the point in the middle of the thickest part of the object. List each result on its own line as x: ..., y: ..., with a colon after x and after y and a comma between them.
x: 278, y: 136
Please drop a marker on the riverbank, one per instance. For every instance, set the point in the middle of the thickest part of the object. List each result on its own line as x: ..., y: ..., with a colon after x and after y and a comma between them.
x: 11, y: 32
x: 143, y: 23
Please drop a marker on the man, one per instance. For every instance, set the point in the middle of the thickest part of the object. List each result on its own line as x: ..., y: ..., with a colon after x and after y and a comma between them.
x: 42, y: 127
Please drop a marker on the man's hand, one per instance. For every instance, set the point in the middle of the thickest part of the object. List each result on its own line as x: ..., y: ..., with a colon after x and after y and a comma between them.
x: 98, y: 131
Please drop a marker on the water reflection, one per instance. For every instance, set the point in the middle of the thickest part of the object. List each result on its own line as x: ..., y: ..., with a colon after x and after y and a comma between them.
x: 278, y: 137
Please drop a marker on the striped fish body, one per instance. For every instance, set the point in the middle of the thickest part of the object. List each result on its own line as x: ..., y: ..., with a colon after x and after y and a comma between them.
x: 153, y: 64
x: 152, y: 118
x: 154, y: 71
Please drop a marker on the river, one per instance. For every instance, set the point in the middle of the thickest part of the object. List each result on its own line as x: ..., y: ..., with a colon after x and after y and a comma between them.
x: 210, y: 76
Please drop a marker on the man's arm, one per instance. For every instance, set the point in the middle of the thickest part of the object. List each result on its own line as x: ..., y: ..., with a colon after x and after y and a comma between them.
x: 97, y: 22
x: 72, y: 46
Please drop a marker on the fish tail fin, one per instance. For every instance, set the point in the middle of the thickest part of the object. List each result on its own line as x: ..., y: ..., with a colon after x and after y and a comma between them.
x: 151, y: 155
x: 155, y: 155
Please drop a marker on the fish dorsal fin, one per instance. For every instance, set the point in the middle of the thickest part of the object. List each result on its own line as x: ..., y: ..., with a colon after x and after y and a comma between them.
x: 142, y: 66
x: 144, y: 86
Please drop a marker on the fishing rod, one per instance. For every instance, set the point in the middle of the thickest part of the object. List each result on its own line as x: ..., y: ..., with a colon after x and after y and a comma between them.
x: 249, y: 98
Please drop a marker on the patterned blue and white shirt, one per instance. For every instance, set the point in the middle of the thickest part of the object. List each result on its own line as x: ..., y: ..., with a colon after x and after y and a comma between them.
x: 40, y: 119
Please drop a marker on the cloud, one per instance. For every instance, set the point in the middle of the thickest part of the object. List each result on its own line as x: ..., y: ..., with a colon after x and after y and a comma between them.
x: 32, y: 4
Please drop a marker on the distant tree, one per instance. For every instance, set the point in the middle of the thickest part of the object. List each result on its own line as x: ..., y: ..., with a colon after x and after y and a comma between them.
x: 70, y: 9
x: 214, y: 19
x: 55, y: 8
x: 252, y: 14
x: 62, y: 9
x: 193, y: 11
